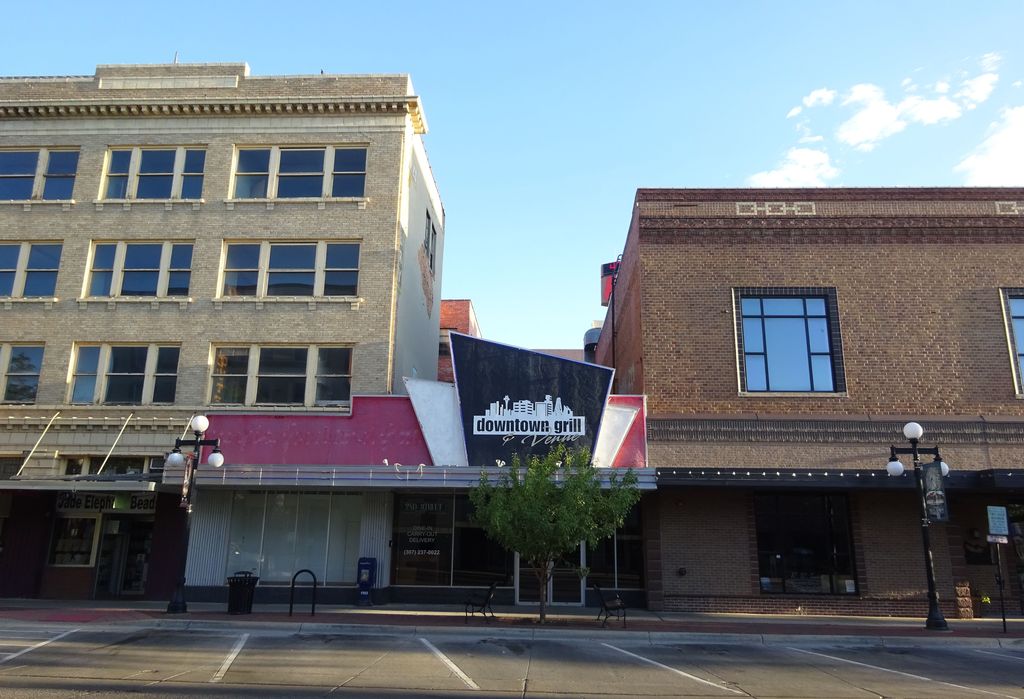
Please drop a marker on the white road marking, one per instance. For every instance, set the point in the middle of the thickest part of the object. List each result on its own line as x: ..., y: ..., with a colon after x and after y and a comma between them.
x: 12, y: 656
x: 231, y: 658
x: 999, y: 655
x: 672, y: 669
x: 904, y: 674
x: 168, y: 679
x: 451, y: 666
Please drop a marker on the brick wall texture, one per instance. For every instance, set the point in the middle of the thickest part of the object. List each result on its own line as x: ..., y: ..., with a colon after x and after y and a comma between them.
x: 919, y: 277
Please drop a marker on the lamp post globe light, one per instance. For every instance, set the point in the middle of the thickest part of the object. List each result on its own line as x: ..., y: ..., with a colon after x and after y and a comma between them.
x: 913, y: 432
x: 198, y: 425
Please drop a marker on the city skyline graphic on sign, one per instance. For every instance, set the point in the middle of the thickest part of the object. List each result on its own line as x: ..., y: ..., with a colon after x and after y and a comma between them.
x: 526, y: 417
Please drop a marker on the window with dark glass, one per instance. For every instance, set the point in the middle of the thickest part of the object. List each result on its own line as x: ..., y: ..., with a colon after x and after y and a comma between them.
x: 22, y: 378
x: 241, y: 269
x: 804, y: 544
x: 252, y: 173
x: 37, y: 174
x: 73, y: 541
x: 789, y: 342
x: 333, y: 375
x: 294, y: 173
x: 292, y: 270
x: 230, y: 375
x: 29, y: 270
x: 140, y: 269
x: 83, y: 386
x: 312, y: 269
x: 422, y: 536
x: 618, y: 561
x: 59, y: 178
x: 155, y: 173
x: 128, y: 374
x: 349, y: 175
x: 17, y: 174
x: 477, y: 560
x: 165, y: 378
x: 300, y: 173
x: 281, y: 378
x: 341, y: 272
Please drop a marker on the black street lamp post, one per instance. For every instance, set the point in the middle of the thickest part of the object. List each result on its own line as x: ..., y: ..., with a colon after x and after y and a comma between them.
x: 913, y: 432
x: 198, y: 425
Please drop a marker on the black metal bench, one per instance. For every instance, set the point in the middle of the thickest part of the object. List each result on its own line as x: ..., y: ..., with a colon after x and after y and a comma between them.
x: 481, y: 603
x: 610, y: 608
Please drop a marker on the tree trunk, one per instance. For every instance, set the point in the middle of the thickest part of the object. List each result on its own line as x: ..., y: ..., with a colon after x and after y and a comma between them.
x: 543, y: 575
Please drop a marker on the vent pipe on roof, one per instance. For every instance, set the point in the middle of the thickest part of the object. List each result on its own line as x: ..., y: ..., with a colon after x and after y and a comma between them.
x: 590, y: 339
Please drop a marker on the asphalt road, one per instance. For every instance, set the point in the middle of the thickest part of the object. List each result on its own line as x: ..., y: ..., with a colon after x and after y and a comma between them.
x: 76, y: 662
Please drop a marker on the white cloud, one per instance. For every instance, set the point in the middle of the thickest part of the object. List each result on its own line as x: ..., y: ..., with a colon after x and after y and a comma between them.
x: 1018, y: 83
x: 802, y: 167
x: 793, y: 112
x: 929, y: 112
x: 990, y: 61
x: 974, y: 91
x: 810, y: 139
x: 876, y: 119
x: 997, y: 160
x: 942, y: 87
x: 822, y: 97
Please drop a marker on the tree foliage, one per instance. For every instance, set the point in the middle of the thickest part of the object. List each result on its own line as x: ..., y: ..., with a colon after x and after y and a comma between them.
x: 545, y: 508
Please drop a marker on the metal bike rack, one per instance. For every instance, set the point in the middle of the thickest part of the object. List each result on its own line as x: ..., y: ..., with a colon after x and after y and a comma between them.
x: 291, y: 594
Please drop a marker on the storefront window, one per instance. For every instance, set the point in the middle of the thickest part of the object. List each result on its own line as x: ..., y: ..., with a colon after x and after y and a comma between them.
x: 423, y: 539
x: 477, y: 560
x: 274, y: 535
x: 804, y: 544
x: 618, y: 561
x: 74, y: 539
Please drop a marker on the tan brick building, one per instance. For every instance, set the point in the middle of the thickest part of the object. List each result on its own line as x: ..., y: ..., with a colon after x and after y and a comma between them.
x: 783, y: 337
x: 177, y: 239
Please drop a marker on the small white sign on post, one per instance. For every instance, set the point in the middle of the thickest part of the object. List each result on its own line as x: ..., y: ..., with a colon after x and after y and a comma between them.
x: 998, y: 522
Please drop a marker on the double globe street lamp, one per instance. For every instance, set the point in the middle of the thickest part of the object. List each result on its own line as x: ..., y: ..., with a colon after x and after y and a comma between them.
x: 199, y: 424
x: 928, y: 493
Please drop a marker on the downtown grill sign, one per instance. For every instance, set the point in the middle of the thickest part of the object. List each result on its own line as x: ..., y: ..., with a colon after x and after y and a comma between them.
x: 516, y: 401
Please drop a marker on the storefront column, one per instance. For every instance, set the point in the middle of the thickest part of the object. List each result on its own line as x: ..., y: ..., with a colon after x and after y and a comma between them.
x: 375, y: 533
x: 208, y: 541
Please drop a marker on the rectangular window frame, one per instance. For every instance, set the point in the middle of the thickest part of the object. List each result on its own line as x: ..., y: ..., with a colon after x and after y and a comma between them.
x: 133, y: 175
x: 22, y: 269
x: 118, y: 269
x: 1015, y: 344
x: 274, y: 174
x: 252, y: 375
x: 829, y: 295
x: 263, y: 271
x: 6, y: 352
x: 43, y: 173
x: 103, y: 372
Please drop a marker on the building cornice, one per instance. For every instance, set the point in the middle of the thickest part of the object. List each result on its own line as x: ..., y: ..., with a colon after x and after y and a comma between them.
x: 404, y: 105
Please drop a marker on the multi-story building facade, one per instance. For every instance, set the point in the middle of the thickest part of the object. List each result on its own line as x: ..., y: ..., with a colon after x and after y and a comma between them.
x: 783, y: 338
x: 182, y: 239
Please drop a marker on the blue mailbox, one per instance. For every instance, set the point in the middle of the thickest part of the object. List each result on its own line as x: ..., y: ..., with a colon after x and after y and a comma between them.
x: 366, y: 576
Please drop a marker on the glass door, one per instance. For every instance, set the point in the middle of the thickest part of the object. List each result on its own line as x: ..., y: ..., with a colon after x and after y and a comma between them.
x: 565, y: 586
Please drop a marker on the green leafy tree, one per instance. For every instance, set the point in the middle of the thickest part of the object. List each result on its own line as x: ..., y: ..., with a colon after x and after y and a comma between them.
x: 546, y: 508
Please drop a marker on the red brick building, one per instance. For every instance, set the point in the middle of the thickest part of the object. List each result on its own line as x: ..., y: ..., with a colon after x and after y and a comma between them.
x: 457, y: 315
x: 783, y: 338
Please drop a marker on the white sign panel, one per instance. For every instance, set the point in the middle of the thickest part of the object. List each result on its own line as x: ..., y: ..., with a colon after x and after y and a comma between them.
x: 998, y: 522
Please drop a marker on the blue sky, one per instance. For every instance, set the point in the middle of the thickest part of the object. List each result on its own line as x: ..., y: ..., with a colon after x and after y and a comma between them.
x: 545, y: 117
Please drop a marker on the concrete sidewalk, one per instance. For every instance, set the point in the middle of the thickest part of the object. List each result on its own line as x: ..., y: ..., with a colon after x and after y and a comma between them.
x: 574, y: 621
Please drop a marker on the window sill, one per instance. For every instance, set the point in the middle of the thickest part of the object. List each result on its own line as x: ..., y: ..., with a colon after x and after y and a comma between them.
x: 793, y: 394
x: 355, y: 302
x: 154, y: 302
x: 47, y: 301
x: 321, y: 202
x: 27, y: 204
x: 168, y: 204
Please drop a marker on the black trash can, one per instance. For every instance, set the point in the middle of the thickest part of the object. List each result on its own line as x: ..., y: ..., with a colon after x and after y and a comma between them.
x: 241, y: 588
